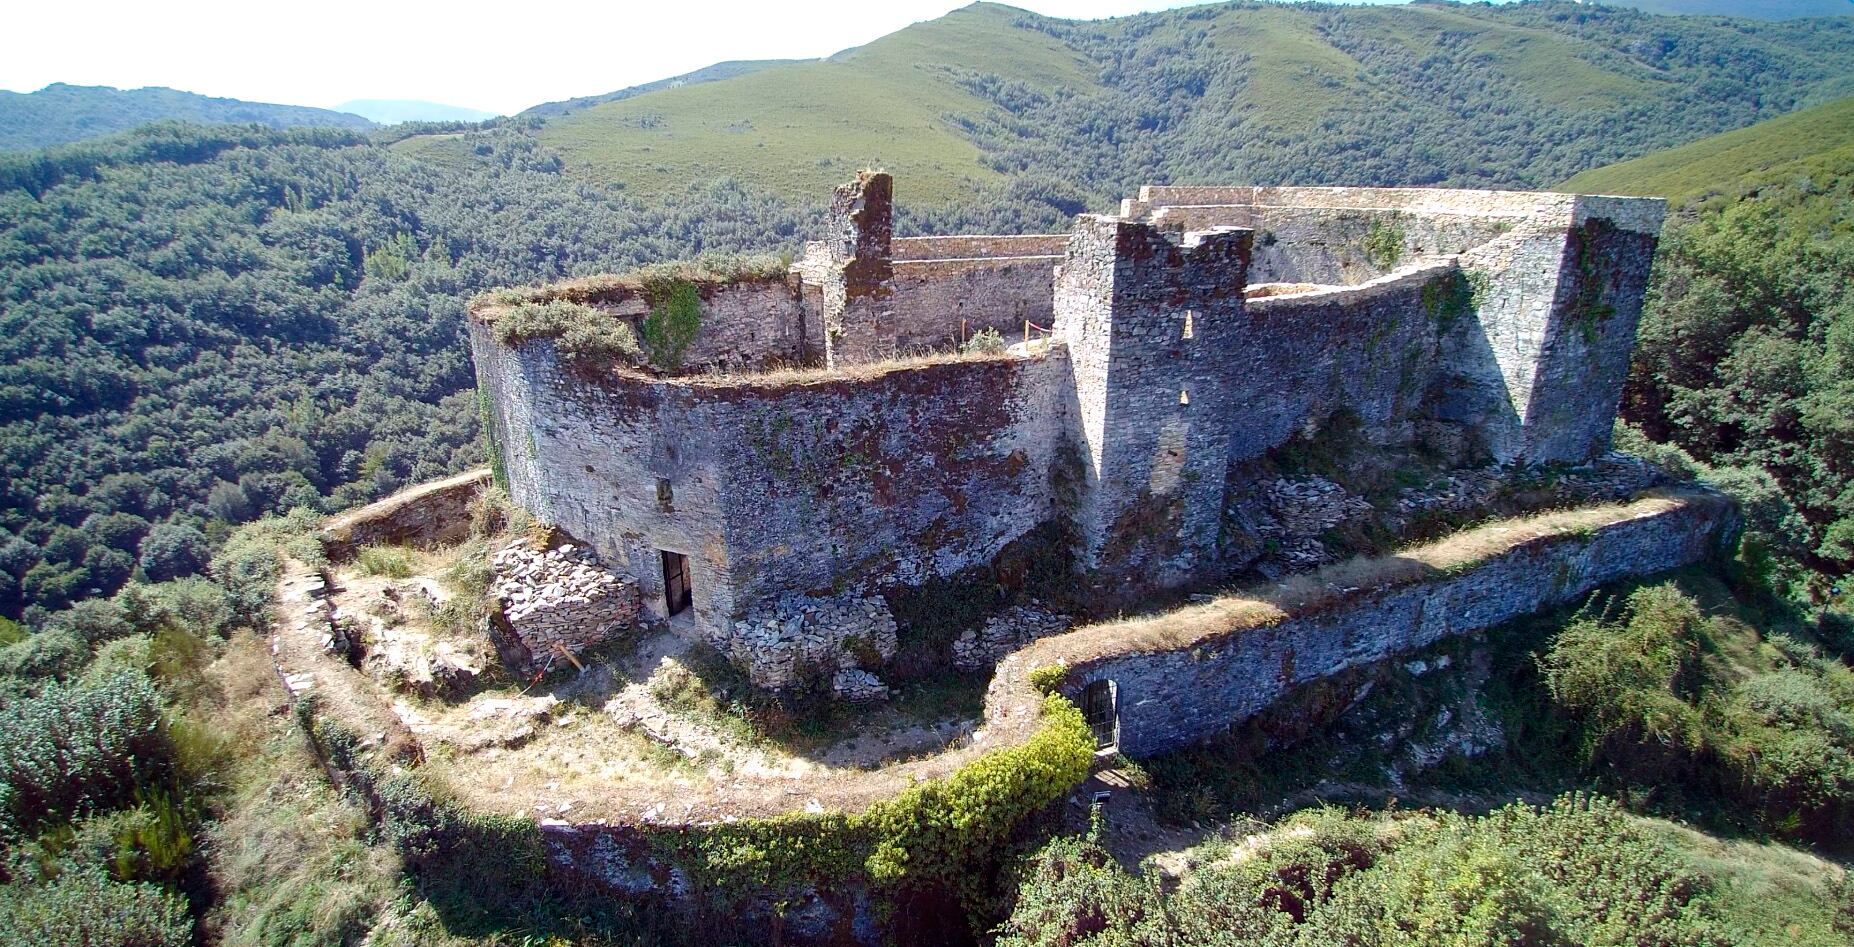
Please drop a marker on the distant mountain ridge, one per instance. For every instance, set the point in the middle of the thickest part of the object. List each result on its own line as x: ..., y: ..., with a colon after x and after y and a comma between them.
x: 1747, y: 9
x: 394, y: 111
x: 1429, y: 93
x: 61, y: 113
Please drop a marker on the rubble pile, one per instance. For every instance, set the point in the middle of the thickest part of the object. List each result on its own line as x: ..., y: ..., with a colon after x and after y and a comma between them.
x: 802, y: 638
x: 561, y: 597
x: 1004, y: 633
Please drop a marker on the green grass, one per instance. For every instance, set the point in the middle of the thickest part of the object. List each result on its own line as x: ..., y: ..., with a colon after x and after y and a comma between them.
x: 392, y: 562
x: 796, y: 130
x: 1816, y: 142
x: 1765, y: 892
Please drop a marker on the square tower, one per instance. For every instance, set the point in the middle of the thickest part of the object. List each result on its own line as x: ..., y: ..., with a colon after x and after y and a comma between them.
x: 1150, y: 317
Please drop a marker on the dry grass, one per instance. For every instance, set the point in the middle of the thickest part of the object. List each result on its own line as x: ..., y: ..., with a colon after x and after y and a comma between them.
x: 707, y: 271
x: 1313, y: 591
x: 867, y: 371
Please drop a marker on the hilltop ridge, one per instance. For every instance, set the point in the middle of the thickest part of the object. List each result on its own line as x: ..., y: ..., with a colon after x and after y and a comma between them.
x: 62, y: 113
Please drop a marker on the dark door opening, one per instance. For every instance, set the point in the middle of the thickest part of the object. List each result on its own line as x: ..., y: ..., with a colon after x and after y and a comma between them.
x: 676, y: 592
x: 1103, y: 717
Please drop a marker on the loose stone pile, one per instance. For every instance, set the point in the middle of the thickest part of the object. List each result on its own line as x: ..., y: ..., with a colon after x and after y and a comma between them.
x: 561, y: 597
x: 801, y: 639
x: 1004, y: 633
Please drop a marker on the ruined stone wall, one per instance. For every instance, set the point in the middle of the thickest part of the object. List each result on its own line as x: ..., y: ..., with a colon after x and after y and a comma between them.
x: 771, y: 488
x: 430, y: 514
x: 979, y: 246
x: 1553, y: 285
x: 1338, y: 246
x: 1171, y: 697
x: 621, y: 463
x: 746, y: 326
x: 856, y: 483
x: 1294, y: 361
x: 856, y: 267
x: 932, y: 300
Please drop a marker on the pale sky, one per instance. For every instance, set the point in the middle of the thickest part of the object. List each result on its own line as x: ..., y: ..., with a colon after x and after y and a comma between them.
x: 501, y: 57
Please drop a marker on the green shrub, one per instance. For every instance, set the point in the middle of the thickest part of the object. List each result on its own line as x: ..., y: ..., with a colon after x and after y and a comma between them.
x: 78, y: 749
x: 675, y: 320
x: 84, y: 908
x: 984, y: 342
x: 1048, y: 678
x: 44, y: 656
x: 250, y: 562
x: 587, y: 336
x: 1578, y: 872
x: 1626, y: 677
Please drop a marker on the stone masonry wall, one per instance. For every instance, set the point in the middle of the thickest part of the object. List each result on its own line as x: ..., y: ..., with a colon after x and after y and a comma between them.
x: 863, y: 482
x: 561, y: 599
x: 979, y: 246
x: 1338, y: 246
x: 930, y: 299
x: 745, y: 326
x: 1294, y: 361
x: 430, y: 514
x: 1150, y: 319
x: 1169, y: 699
x: 771, y: 489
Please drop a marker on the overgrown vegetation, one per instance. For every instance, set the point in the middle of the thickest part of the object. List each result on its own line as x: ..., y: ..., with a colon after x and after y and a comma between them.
x: 1432, y: 878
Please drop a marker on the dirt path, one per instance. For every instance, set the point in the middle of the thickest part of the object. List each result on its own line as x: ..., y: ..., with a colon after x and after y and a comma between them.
x: 582, y: 749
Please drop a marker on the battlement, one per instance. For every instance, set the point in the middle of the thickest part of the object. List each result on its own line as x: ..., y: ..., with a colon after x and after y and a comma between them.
x: 851, y: 449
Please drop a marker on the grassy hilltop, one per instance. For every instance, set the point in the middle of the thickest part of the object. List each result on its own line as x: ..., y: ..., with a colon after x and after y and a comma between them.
x: 1813, y: 141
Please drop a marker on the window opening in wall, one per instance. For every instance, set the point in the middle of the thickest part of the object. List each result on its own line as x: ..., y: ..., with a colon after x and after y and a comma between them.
x: 1184, y: 396
x: 1190, y: 323
x: 666, y: 497
x: 1103, y: 717
x: 676, y: 588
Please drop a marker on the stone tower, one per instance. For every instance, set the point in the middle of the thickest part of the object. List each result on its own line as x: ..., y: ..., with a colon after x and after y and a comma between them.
x: 1149, y: 317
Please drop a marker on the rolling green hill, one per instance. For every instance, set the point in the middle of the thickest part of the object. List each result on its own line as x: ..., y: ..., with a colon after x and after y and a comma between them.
x: 1809, y: 142
x: 1427, y: 93
x: 61, y: 113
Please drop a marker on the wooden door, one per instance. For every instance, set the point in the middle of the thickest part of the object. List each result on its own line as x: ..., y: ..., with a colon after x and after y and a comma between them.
x: 676, y: 588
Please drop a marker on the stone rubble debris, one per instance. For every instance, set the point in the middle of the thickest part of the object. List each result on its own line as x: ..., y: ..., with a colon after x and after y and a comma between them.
x: 801, y: 637
x: 561, y: 597
x: 1005, y: 632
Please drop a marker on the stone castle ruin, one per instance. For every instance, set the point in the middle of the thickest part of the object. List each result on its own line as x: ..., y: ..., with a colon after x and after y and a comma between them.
x: 829, y: 435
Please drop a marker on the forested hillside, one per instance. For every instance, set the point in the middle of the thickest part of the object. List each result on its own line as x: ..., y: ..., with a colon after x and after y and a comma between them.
x: 1745, y: 356
x: 60, y: 113
x: 1429, y: 93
